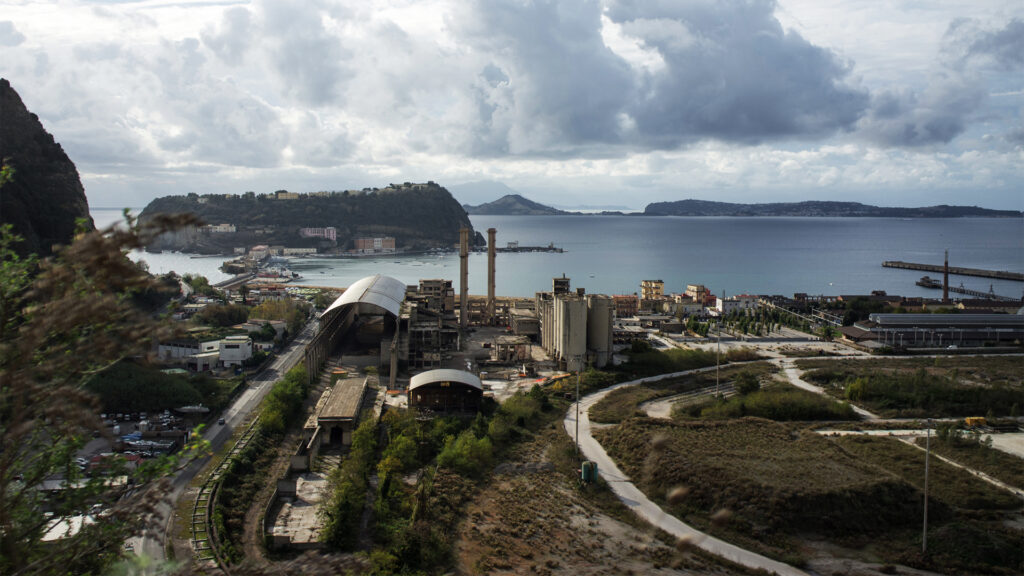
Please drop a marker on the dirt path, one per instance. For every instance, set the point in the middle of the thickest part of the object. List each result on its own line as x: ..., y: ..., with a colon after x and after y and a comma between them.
x: 637, y: 501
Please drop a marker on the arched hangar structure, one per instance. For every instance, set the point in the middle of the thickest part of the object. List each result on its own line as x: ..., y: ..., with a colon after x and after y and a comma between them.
x: 376, y: 296
x: 446, y: 391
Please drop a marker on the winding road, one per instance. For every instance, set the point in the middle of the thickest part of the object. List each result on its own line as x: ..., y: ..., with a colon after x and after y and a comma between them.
x: 636, y: 501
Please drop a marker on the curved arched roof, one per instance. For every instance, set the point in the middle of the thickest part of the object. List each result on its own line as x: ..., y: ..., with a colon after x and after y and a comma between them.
x: 381, y: 291
x: 444, y: 375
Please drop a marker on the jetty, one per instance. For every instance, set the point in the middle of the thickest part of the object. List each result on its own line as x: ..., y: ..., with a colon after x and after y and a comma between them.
x: 997, y: 274
x: 927, y: 282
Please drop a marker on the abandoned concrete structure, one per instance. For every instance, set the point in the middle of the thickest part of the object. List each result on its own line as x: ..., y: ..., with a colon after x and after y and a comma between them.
x: 446, y: 392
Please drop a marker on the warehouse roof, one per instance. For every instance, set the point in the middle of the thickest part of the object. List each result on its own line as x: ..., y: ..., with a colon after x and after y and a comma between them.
x: 381, y: 291
x: 960, y: 320
x: 444, y: 375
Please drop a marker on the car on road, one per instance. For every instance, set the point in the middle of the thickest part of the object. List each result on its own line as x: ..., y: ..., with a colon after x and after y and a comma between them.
x: 220, y: 421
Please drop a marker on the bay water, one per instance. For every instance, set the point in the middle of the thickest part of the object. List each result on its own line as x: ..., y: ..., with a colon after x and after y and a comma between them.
x: 734, y: 255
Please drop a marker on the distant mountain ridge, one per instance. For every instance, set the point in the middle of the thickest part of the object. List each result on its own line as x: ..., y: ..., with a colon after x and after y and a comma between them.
x: 691, y: 207
x: 513, y: 205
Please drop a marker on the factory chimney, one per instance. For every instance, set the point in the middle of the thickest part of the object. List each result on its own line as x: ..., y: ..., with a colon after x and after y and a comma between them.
x: 945, y: 280
x: 463, y: 277
x: 491, y: 250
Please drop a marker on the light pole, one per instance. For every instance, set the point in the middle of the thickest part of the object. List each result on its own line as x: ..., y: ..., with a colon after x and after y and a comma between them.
x: 578, y: 377
x: 927, y: 454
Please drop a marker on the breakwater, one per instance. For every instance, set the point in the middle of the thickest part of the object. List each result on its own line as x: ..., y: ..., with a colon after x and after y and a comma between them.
x: 999, y: 274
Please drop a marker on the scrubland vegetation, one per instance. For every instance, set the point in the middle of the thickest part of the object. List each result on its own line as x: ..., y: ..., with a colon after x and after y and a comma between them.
x: 918, y: 389
x: 969, y: 450
x: 624, y: 402
x: 778, y: 484
x: 414, y: 522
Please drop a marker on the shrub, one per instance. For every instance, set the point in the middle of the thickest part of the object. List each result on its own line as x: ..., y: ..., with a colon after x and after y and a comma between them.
x: 467, y: 454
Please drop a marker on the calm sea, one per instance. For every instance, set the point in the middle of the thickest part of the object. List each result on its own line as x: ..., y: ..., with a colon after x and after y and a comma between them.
x: 612, y: 254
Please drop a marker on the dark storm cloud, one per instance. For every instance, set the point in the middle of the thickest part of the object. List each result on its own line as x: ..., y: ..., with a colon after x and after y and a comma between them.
x: 1004, y: 46
x: 943, y: 109
x: 939, y: 114
x: 732, y: 73
x: 9, y: 35
x: 725, y: 71
x: 550, y: 79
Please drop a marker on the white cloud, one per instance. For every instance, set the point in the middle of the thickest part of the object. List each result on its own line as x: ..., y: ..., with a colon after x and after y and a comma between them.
x: 580, y: 99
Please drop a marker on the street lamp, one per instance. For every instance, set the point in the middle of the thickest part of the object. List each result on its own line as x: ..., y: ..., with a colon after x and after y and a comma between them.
x: 927, y: 454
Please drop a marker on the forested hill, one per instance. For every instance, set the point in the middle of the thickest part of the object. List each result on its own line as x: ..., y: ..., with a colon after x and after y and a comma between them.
x: 816, y: 208
x: 418, y: 216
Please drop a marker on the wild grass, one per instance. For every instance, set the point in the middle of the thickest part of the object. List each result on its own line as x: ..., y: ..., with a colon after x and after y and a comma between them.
x: 952, y: 486
x: 776, y: 402
x: 781, y: 484
x: 624, y: 402
x: 974, y: 454
x: 901, y: 389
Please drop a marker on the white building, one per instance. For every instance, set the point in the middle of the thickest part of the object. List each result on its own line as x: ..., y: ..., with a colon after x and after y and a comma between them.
x: 235, y: 349
x: 181, y: 350
x: 742, y: 302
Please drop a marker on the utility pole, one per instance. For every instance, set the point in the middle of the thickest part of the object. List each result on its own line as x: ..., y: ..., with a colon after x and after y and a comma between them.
x: 718, y: 354
x: 579, y: 374
x: 927, y: 453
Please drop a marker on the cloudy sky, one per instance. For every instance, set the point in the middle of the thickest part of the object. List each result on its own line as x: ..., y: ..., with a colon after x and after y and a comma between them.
x: 571, y: 102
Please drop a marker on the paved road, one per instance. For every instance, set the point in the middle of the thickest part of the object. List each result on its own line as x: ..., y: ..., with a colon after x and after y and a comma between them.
x: 153, y: 545
x: 632, y: 497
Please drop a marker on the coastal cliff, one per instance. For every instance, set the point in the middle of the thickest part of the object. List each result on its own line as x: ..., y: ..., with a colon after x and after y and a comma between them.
x: 44, y: 197
x: 418, y: 216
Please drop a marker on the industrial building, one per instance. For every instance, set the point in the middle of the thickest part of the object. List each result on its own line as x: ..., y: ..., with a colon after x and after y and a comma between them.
x: 366, y: 315
x: 938, y: 330
x: 445, y: 391
x: 428, y: 328
x: 575, y: 327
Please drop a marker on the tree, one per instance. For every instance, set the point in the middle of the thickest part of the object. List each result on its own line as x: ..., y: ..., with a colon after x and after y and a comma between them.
x: 64, y: 320
x: 746, y: 382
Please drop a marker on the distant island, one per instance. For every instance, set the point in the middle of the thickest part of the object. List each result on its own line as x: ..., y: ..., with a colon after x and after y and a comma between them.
x: 513, y: 205
x: 818, y: 208
x: 517, y: 205
x: 400, y: 217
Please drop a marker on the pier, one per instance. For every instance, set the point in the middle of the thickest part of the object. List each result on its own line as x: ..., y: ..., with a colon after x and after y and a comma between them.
x: 998, y: 274
x: 927, y: 282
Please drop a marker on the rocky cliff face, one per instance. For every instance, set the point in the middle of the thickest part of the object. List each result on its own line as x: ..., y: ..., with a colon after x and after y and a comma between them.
x: 45, y: 197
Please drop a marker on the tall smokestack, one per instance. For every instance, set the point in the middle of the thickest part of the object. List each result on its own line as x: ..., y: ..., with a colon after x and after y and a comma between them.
x: 945, y: 280
x: 490, y: 274
x: 463, y: 277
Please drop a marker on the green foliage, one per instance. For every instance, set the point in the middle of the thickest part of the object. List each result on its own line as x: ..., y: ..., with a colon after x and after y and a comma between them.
x: 222, y: 315
x: 780, y: 404
x: 467, y: 454
x: 15, y: 277
x: 290, y: 311
x: 655, y: 362
x: 346, y: 487
x: 746, y: 382
x: 200, y: 285
x: 283, y: 405
x: 922, y: 393
x: 132, y: 387
x: 63, y: 320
